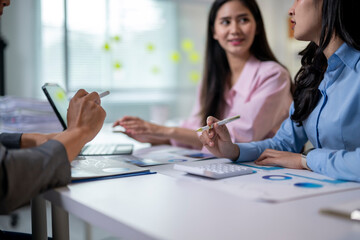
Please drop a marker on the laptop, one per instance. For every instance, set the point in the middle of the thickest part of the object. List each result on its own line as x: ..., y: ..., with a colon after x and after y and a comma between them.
x: 58, y: 100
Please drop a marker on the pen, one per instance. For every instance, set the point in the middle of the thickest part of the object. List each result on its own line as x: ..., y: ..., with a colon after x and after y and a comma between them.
x: 103, y: 94
x: 355, y: 215
x: 222, y: 122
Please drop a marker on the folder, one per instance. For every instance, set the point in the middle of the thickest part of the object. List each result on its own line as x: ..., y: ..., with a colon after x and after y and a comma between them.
x: 100, y: 167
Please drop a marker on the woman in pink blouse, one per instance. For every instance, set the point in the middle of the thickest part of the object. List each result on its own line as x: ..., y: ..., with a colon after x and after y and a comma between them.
x: 241, y: 77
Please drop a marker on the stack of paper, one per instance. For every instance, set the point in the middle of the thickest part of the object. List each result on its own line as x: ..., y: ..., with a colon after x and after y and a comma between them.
x: 27, y: 115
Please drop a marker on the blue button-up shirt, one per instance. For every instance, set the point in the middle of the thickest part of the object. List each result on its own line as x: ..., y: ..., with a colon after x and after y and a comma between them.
x: 333, y: 127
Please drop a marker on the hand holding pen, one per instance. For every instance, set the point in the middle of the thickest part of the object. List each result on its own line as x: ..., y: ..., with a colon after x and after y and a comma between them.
x: 222, y: 122
x: 103, y: 94
x: 217, y: 139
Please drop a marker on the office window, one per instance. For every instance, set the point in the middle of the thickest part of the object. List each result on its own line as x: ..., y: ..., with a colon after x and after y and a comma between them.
x: 119, y: 44
x: 148, y: 51
x: 52, y: 29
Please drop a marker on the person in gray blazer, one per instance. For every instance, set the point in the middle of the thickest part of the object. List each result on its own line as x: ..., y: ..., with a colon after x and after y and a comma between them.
x: 33, y: 163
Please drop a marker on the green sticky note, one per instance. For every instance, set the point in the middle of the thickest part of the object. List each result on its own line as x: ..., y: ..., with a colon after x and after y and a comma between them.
x: 117, y: 65
x: 194, y: 57
x: 150, y: 47
x: 194, y: 76
x: 187, y: 45
x: 175, y: 57
x: 107, y: 47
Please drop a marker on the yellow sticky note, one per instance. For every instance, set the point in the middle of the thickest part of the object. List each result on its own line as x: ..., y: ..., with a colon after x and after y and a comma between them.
x: 60, y: 95
x: 194, y: 76
x: 150, y: 47
x: 155, y: 70
x: 187, y: 45
x: 117, y: 65
x: 175, y: 57
x: 106, y: 47
x: 117, y: 38
x: 194, y: 57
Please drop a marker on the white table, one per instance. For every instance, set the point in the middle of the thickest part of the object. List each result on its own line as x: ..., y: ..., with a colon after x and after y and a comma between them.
x: 162, y: 207
x: 168, y: 205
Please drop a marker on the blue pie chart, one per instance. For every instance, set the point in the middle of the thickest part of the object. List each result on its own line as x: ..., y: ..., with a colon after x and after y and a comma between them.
x: 177, y: 160
x: 308, y: 185
x: 276, y: 177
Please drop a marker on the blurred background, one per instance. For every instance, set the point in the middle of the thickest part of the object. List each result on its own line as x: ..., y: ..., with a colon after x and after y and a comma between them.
x: 148, y: 53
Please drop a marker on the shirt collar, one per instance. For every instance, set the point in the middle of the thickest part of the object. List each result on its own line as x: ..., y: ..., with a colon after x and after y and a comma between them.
x: 344, y: 55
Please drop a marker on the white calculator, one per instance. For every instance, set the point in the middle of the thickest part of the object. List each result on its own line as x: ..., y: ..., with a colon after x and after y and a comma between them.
x: 214, y: 170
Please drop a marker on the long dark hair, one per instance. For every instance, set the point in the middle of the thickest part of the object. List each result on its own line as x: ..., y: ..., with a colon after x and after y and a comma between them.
x: 339, y: 17
x: 217, y: 70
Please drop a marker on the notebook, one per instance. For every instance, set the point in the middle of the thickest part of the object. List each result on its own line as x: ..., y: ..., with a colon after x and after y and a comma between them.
x: 57, y: 98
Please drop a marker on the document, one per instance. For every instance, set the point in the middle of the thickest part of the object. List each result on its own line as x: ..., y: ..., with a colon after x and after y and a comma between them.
x: 100, y: 166
x: 165, y: 154
x: 272, y: 184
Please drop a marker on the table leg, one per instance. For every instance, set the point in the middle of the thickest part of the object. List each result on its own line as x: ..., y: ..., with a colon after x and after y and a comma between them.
x: 38, y: 218
x: 60, y: 223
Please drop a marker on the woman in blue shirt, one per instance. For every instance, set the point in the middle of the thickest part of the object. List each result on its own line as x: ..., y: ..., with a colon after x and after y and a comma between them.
x: 326, y: 107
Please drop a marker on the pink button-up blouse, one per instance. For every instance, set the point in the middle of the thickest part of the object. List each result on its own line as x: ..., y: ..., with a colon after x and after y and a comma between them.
x: 262, y: 98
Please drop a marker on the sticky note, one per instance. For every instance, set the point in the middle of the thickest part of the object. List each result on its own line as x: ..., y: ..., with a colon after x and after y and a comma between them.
x: 187, y: 45
x: 60, y: 95
x: 175, y: 57
x: 150, y: 47
x: 107, y: 47
x: 194, y: 76
x: 117, y: 38
x: 194, y: 57
x: 155, y: 70
x: 117, y: 65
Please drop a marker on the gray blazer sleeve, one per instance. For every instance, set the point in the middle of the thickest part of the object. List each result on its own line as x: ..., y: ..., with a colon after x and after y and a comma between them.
x: 24, y: 173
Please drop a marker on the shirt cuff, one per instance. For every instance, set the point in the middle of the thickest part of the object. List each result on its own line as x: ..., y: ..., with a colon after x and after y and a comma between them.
x: 304, y: 162
x: 248, y: 152
x: 10, y: 140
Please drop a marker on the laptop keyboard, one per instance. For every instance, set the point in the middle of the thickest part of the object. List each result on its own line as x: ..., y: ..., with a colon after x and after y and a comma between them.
x: 106, y: 149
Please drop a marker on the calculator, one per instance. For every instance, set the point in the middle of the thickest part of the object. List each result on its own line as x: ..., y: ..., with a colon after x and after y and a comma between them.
x: 215, y: 170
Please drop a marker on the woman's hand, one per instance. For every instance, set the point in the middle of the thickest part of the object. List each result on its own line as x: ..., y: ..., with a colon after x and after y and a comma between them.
x: 218, y: 141
x: 280, y: 158
x: 141, y: 130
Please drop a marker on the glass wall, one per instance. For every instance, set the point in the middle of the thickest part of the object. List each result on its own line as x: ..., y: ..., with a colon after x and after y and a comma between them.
x: 149, y: 53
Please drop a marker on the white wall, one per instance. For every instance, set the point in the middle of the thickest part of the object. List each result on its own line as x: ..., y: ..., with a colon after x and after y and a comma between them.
x: 275, y: 14
x: 19, y: 31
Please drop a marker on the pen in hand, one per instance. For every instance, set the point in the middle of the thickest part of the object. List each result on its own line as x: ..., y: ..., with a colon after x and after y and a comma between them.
x: 222, y: 122
x: 103, y: 94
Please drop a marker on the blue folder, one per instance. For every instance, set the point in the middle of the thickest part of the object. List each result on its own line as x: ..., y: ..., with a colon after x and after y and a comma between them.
x: 111, y: 177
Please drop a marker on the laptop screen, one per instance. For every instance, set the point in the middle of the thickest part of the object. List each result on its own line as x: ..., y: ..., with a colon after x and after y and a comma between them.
x: 58, y: 101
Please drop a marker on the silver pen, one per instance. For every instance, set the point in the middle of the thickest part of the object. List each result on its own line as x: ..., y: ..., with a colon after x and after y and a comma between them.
x: 222, y: 122
x: 103, y: 94
x: 355, y: 215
